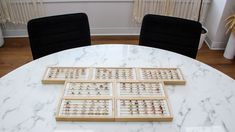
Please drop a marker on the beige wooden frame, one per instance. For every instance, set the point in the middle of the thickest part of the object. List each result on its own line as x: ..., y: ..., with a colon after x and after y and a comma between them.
x: 141, y: 118
x: 47, y: 80
x: 86, y: 118
x: 133, y: 69
x: 180, y: 81
x: 140, y: 81
x: 89, y: 81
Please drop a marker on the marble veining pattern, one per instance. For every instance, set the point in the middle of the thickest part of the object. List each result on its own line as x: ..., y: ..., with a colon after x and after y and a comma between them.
x: 207, y: 99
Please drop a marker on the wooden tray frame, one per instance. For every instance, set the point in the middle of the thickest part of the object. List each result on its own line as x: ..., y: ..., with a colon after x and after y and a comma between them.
x: 89, y: 81
x: 140, y: 81
x: 86, y: 118
x: 113, y: 80
x: 143, y: 119
x: 46, y: 80
x: 166, y: 81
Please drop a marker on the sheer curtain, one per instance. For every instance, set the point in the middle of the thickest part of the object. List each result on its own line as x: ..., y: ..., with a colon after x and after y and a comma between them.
x: 20, y: 11
x: 188, y: 9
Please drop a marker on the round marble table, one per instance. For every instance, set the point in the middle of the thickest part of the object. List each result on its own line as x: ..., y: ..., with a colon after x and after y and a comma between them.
x: 205, y: 104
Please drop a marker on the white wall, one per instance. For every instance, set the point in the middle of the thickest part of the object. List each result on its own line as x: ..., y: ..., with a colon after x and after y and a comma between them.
x: 106, y: 17
x: 218, y: 12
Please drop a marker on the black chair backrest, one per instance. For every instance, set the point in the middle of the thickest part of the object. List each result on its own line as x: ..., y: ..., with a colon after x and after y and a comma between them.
x: 56, y: 33
x: 174, y: 34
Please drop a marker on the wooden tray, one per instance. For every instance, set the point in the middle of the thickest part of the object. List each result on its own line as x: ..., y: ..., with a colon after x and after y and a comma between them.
x: 59, y: 75
x: 114, y: 73
x: 143, y: 110
x: 81, y: 88
x: 141, y: 88
x: 96, y: 109
x: 167, y: 75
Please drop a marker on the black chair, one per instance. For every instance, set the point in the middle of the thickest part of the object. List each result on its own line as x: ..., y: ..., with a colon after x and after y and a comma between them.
x: 174, y: 34
x: 56, y: 33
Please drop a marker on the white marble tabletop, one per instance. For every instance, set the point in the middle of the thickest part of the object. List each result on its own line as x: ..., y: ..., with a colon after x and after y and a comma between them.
x: 205, y: 104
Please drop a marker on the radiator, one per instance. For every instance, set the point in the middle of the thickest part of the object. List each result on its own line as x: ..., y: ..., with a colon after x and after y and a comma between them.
x: 188, y: 9
x: 20, y: 11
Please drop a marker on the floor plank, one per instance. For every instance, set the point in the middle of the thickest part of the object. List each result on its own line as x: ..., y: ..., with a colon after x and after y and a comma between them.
x: 16, y: 52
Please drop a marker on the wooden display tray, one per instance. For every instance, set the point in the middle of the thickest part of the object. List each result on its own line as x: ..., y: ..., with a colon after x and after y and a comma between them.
x: 114, y: 73
x: 90, y: 88
x: 140, y: 88
x: 172, y: 76
x: 93, y: 112
x: 83, y: 109
x: 131, y: 109
x: 58, y: 75
x: 167, y: 75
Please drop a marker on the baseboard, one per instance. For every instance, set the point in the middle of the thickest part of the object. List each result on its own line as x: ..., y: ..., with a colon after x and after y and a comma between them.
x: 122, y: 31
x: 9, y: 33
x: 212, y: 45
x: 118, y: 31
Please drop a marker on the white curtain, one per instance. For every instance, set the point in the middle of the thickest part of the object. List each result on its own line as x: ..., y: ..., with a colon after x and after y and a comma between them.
x: 20, y: 11
x: 188, y: 9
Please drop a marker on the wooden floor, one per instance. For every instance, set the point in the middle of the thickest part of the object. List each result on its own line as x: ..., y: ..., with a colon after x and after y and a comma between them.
x: 16, y: 52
